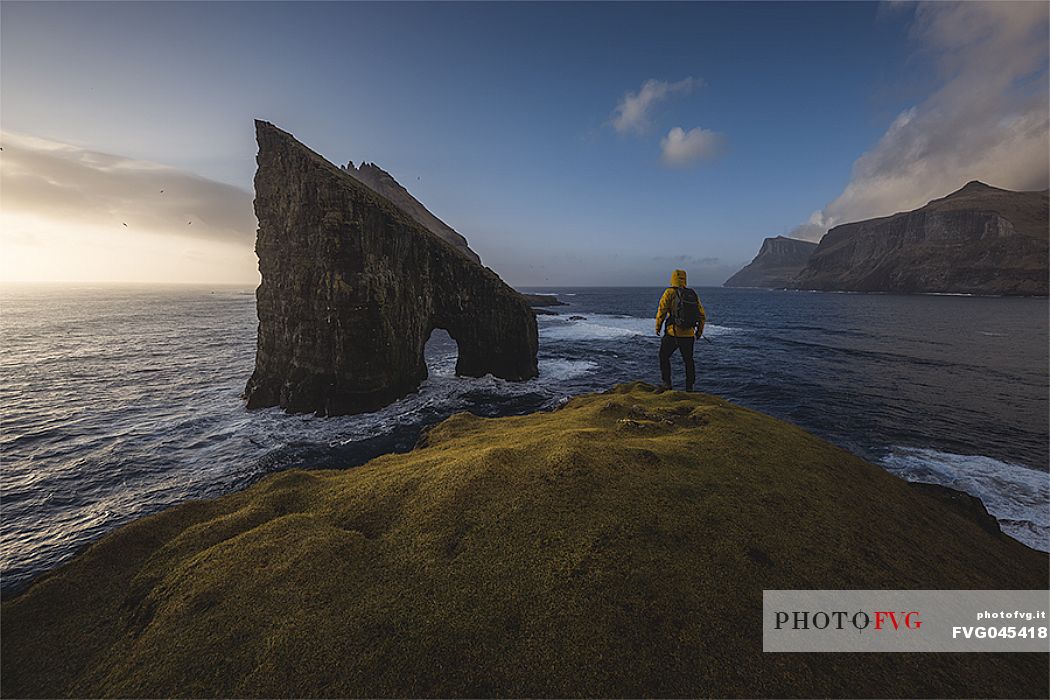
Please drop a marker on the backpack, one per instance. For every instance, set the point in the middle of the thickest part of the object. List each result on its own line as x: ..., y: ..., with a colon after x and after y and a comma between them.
x: 684, y: 312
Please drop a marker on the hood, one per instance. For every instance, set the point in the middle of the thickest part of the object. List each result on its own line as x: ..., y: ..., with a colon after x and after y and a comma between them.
x: 678, y: 278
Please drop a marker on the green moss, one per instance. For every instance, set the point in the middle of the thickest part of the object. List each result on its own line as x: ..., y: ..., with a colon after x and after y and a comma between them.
x: 616, y: 547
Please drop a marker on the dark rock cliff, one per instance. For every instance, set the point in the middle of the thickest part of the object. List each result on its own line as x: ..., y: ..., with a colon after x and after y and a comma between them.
x: 352, y: 288
x: 978, y: 240
x: 776, y: 265
x: 384, y: 183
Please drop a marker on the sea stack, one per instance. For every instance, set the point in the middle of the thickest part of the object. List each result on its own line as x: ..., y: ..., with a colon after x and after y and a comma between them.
x: 352, y: 287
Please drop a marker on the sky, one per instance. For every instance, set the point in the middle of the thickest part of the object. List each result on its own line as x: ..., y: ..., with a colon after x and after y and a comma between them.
x: 572, y: 144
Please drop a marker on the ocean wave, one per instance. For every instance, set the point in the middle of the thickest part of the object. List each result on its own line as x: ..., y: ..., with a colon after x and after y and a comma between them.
x: 1016, y: 495
x: 594, y: 327
x: 553, y: 368
x: 441, y: 393
x: 561, y: 369
x: 608, y: 326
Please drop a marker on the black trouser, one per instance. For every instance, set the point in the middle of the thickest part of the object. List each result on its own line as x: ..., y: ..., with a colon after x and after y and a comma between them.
x: 668, y: 345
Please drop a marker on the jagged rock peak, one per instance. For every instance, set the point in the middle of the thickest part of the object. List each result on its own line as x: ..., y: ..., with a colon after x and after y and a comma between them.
x: 352, y: 288
x: 977, y: 185
x: 973, y: 187
x: 386, y: 185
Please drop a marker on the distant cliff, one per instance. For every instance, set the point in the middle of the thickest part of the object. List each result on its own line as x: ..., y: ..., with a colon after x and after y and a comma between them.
x: 384, y: 183
x: 978, y: 240
x: 776, y: 265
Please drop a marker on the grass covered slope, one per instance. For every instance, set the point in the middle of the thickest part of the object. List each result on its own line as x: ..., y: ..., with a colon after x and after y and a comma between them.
x: 618, y: 546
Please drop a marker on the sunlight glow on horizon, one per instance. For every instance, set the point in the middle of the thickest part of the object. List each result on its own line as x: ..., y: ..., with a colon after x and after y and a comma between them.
x: 636, y: 142
x: 35, y: 249
x: 68, y: 214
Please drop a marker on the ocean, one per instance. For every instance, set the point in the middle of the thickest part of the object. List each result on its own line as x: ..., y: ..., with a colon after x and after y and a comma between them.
x: 119, y: 401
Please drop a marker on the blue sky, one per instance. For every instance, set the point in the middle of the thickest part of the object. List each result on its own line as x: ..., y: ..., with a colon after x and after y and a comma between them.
x: 499, y: 117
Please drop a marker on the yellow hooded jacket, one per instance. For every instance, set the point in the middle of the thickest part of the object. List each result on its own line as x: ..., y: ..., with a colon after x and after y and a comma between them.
x: 677, y: 280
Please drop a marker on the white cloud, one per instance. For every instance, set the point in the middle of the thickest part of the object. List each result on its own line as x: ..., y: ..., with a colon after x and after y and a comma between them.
x: 71, y: 214
x: 76, y: 186
x: 681, y: 148
x: 987, y: 121
x: 812, y: 230
x: 633, y: 113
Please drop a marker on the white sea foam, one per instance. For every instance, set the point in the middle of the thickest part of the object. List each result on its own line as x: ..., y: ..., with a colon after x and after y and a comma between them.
x: 444, y: 366
x: 607, y: 326
x: 555, y: 368
x: 712, y: 330
x: 594, y: 326
x: 560, y: 369
x: 1017, y: 496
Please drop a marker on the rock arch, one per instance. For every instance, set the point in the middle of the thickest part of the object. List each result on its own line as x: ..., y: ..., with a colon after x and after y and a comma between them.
x: 352, y: 288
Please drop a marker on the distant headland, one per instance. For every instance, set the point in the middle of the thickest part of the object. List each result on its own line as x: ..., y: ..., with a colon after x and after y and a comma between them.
x: 977, y: 240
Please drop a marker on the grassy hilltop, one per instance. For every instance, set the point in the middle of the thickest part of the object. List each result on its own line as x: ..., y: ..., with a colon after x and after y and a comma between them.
x: 616, y: 547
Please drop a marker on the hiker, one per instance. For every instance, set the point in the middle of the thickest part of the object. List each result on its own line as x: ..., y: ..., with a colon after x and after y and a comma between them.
x: 680, y: 307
